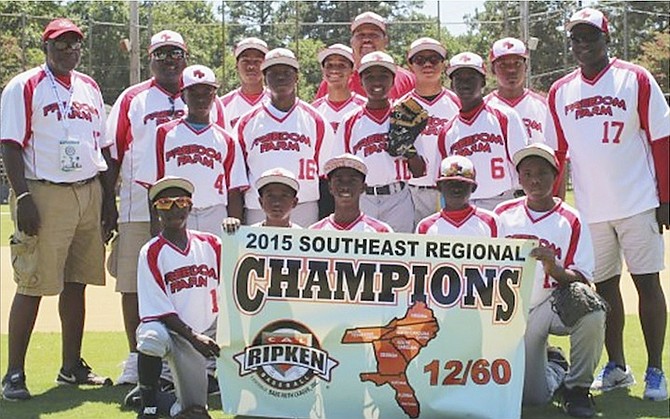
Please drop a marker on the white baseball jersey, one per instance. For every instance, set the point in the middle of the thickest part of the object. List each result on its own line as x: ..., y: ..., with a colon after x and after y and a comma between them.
x: 609, y: 125
x: 55, y: 148
x: 489, y: 137
x: 172, y: 281
x: 531, y: 107
x: 441, y: 110
x: 476, y: 222
x: 362, y: 223
x: 561, y: 229
x: 299, y: 140
x: 366, y: 136
x: 335, y: 112
x: 236, y: 104
x: 208, y: 157
x: 131, y: 127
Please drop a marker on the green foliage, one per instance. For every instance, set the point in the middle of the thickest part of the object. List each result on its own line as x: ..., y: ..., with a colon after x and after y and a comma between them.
x: 655, y: 57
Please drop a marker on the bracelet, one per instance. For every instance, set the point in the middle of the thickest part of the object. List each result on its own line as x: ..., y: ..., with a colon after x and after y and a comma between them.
x: 21, y: 196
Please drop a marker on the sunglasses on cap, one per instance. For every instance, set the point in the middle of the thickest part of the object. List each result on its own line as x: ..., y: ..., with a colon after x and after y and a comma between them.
x: 422, y: 60
x: 587, y: 37
x: 164, y: 204
x: 61, y: 45
x: 175, y: 54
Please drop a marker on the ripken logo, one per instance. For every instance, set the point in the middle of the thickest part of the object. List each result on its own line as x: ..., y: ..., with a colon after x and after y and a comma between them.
x: 285, y: 355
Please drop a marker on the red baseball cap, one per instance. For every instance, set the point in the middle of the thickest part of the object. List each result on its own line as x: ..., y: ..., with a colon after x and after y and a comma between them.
x: 59, y: 26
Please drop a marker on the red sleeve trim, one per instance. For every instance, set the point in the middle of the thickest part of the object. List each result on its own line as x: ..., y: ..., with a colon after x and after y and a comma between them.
x: 660, y: 150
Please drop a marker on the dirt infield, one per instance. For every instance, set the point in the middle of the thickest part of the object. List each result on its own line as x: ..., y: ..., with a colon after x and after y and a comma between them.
x: 104, y: 305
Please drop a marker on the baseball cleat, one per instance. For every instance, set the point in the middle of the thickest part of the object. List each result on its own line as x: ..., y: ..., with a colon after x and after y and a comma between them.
x: 577, y: 402
x: 656, y: 386
x: 14, y: 387
x: 82, y: 373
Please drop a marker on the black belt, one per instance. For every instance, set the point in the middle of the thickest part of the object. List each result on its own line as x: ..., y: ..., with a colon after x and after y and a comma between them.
x: 76, y: 183
x: 422, y: 187
x: 389, y: 189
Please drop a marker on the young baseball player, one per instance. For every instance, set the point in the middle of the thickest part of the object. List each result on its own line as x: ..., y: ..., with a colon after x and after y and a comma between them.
x: 508, y: 63
x: 368, y: 34
x: 278, y: 196
x: 337, y: 65
x: 177, y: 280
x: 456, y: 183
x: 611, y: 115
x: 194, y: 148
x: 286, y: 131
x: 426, y: 58
x: 565, y: 255
x: 488, y: 136
x: 249, y: 55
x: 365, y: 134
x: 346, y: 181
x: 62, y: 200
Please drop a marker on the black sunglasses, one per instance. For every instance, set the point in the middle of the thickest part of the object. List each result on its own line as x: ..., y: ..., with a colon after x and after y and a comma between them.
x: 421, y: 60
x: 587, y: 37
x: 61, y: 45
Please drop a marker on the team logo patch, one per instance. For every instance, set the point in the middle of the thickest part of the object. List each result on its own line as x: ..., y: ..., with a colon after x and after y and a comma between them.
x: 286, y: 356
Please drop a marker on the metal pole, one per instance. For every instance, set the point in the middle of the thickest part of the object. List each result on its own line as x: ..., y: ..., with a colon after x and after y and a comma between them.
x: 625, y: 31
x: 134, y: 42
x: 439, y: 22
x: 23, y: 41
x: 524, y: 36
x: 90, y: 46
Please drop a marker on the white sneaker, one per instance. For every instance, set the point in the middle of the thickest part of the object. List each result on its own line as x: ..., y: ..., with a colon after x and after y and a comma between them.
x: 656, y: 387
x: 129, y: 374
x: 612, y: 377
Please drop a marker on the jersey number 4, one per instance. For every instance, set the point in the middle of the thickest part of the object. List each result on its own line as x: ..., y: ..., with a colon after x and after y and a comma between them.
x: 612, y: 128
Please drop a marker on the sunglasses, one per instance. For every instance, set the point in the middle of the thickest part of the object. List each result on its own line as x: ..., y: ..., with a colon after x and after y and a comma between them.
x: 422, y: 60
x: 588, y: 37
x: 175, y: 54
x: 63, y: 45
x: 164, y: 204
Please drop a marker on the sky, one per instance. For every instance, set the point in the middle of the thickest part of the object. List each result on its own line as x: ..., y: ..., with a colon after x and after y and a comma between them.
x: 452, y: 12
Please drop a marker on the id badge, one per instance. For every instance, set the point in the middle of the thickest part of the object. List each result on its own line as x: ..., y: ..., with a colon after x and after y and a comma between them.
x: 70, y: 150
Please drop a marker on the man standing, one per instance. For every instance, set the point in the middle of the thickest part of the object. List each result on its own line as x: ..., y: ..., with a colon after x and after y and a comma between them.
x: 57, y: 157
x: 368, y: 34
x: 508, y: 62
x: 131, y: 127
x: 488, y: 136
x: 284, y: 131
x: 610, y: 115
x: 249, y: 55
x: 426, y: 58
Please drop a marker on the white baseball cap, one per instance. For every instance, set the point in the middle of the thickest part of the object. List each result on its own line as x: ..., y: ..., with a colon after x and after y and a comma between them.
x: 466, y: 60
x: 457, y: 168
x: 198, y: 74
x: 164, y: 38
x: 345, y: 160
x: 278, y: 175
x: 280, y: 56
x: 426, y: 44
x: 588, y: 16
x: 369, y: 17
x: 250, y: 43
x: 170, y: 182
x: 377, y: 58
x: 538, y: 150
x: 336, y: 49
x: 508, y: 46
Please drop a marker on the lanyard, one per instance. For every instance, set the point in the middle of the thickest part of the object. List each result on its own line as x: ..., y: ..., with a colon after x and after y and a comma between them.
x: 64, y: 108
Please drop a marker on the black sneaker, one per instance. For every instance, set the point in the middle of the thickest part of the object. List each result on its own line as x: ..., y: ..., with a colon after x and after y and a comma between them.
x: 133, y: 398
x: 149, y: 412
x: 14, y: 387
x: 578, y: 402
x: 82, y: 374
x: 212, y: 386
x: 165, y: 386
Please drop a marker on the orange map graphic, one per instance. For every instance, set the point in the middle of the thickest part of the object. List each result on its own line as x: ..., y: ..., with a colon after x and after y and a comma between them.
x: 395, y: 346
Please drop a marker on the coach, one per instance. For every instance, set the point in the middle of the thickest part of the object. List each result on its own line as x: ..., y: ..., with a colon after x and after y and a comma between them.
x: 368, y: 34
x: 56, y: 155
x: 610, y: 115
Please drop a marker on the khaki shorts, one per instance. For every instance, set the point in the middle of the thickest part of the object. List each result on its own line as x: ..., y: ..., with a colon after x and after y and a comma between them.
x: 122, y: 262
x: 69, y: 245
x: 637, y: 237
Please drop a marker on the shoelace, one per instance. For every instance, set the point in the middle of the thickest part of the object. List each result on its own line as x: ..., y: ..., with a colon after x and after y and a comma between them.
x: 608, y: 368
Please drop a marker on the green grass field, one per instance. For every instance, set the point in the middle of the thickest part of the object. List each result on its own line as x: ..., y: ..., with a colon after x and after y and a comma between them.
x: 104, y: 350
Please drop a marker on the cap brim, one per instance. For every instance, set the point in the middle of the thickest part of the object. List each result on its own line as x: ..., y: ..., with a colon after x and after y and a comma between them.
x: 164, y: 184
x: 241, y: 49
x: 57, y: 33
x: 266, y: 180
x: 454, y: 68
x: 321, y: 56
x: 429, y: 47
x: 215, y: 85
x: 389, y: 66
x: 153, y: 48
x: 534, y: 152
x: 460, y: 178
x: 291, y: 62
x: 573, y: 23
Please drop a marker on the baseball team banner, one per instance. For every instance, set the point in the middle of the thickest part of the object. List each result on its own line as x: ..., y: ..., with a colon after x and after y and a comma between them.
x: 320, y: 324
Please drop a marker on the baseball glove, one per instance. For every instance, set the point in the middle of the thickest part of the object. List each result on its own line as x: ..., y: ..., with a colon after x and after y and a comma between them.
x: 408, y: 119
x: 575, y: 300
x: 193, y: 412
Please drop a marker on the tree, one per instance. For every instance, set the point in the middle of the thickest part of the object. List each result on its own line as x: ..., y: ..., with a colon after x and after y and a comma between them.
x: 655, y: 57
